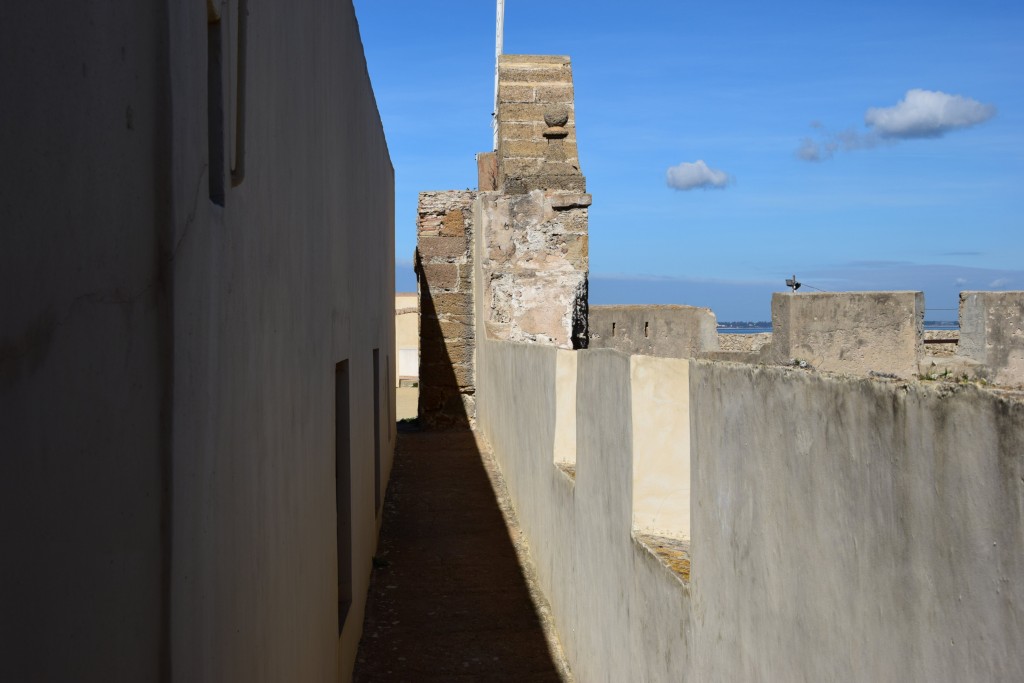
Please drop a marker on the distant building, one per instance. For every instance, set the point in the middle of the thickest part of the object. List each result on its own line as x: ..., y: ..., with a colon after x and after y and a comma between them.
x: 407, y: 338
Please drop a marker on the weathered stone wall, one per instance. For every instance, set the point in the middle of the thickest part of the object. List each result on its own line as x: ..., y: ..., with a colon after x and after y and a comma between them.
x: 843, y: 528
x: 852, y: 332
x: 534, y: 269
x: 444, y: 266
x: 666, y: 331
x: 992, y: 333
x: 533, y: 228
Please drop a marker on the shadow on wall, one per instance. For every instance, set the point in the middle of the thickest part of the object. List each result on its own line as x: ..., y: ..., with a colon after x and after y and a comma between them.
x: 448, y: 598
x: 445, y: 383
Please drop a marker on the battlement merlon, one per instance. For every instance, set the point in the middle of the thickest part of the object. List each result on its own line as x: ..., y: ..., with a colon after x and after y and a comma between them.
x: 536, y: 126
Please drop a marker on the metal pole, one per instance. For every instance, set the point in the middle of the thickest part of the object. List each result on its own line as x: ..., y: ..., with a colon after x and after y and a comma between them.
x: 498, y: 47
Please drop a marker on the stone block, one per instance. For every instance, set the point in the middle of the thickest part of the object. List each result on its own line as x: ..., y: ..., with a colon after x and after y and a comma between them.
x: 850, y: 332
x: 992, y: 334
x: 528, y: 183
x: 556, y: 93
x: 570, y: 201
x: 433, y: 249
x: 454, y: 224
x: 519, y: 166
x: 487, y: 171
x: 542, y: 74
x: 446, y: 374
x: 533, y: 59
x: 452, y: 304
x: 456, y: 330
x: 514, y: 113
x: 521, y: 130
x: 440, y: 276
x: 428, y: 225
x: 575, y: 249
x: 573, y: 220
x: 537, y: 148
x: 517, y: 93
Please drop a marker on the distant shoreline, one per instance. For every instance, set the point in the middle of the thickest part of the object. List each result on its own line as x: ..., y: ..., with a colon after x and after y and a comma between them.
x: 933, y: 325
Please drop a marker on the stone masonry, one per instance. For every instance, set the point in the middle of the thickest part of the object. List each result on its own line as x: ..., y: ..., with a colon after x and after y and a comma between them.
x: 534, y: 250
x: 444, y: 268
x: 537, y: 125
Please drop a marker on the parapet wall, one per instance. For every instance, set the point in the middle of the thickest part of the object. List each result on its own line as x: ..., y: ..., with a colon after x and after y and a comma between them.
x: 992, y: 334
x: 444, y: 267
x: 667, y: 331
x: 850, y: 529
x: 851, y: 332
x: 843, y: 528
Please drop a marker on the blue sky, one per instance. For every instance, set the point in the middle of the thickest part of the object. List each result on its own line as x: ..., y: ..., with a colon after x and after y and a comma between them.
x: 930, y: 196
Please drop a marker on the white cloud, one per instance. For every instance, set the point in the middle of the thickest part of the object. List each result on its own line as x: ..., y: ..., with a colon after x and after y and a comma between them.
x: 960, y: 281
x: 691, y: 176
x: 927, y: 114
x: 920, y: 114
x: 1000, y: 283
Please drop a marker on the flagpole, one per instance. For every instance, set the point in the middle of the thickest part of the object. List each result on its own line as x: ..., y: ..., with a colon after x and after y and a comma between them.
x: 499, y: 45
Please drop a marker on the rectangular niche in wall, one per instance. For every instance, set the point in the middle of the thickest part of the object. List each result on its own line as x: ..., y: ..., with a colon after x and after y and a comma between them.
x: 343, y: 488
x: 565, y: 412
x: 376, y: 431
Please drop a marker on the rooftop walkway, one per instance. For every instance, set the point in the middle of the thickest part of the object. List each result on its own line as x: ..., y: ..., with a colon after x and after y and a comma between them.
x: 449, y: 599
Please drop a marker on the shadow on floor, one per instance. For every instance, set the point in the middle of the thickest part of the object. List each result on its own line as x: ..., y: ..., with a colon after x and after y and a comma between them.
x: 448, y: 600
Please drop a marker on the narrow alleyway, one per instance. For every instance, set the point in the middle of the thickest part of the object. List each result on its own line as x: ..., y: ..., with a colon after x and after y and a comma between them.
x: 448, y: 600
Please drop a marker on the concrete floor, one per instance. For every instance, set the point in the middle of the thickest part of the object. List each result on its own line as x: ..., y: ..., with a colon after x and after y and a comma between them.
x: 406, y: 399
x: 448, y: 599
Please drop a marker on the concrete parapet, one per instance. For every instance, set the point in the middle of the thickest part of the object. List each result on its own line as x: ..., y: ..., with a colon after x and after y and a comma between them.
x: 850, y: 332
x: 992, y: 334
x: 668, y: 331
x: 444, y: 267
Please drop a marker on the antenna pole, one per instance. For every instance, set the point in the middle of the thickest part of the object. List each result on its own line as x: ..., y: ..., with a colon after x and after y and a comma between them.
x: 499, y: 46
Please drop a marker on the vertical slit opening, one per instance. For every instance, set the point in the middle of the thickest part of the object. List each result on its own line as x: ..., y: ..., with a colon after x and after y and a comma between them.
x: 215, y: 108
x: 646, y: 330
x: 613, y: 329
x: 343, y: 489
x: 376, y: 431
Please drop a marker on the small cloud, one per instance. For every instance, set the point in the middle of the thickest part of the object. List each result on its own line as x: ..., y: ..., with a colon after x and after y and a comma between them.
x: 691, y: 176
x: 962, y: 253
x: 960, y: 281
x: 927, y: 114
x: 1000, y: 283
x: 809, y: 150
x: 920, y: 114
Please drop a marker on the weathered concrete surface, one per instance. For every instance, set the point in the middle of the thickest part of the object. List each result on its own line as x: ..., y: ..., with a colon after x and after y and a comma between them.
x: 167, y: 364
x: 658, y: 330
x: 992, y: 333
x: 448, y: 600
x: 855, y: 530
x: 533, y: 269
x: 85, y: 355
x: 621, y: 613
x: 445, y: 271
x: 849, y: 332
x: 294, y: 274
